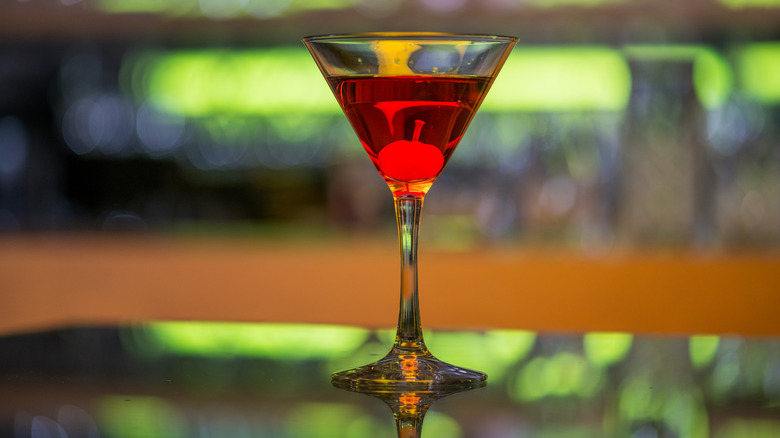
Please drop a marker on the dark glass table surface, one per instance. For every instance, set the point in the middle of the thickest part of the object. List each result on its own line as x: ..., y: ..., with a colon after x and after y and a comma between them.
x: 205, y: 379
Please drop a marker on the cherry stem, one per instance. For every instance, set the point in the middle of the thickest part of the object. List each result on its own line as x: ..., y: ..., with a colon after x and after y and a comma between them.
x: 418, y: 125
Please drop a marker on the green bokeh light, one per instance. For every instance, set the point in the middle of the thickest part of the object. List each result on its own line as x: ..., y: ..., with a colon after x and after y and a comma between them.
x: 712, y: 78
x: 282, y: 341
x: 759, y: 71
x: 561, y: 375
x: 492, y: 352
x: 702, y: 350
x: 199, y: 8
x: 561, y: 79
x: 133, y: 416
x: 438, y: 425
x: 326, y: 420
x: 604, y: 349
x: 168, y: 7
x: 643, y: 399
x: 268, y: 82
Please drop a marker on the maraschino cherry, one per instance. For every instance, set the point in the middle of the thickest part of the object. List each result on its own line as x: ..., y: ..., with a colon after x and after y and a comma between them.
x: 413, y: 160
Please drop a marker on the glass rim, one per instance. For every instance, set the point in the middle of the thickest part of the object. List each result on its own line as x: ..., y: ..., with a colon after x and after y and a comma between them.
x: 417, y: 36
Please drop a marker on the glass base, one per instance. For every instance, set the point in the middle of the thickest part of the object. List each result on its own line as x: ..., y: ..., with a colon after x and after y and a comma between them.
x: 409, y: 371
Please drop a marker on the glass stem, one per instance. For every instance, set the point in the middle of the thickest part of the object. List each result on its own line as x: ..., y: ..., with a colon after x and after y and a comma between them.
x: 408, y: 211
x: 408, y: 427
x: 409, y: 418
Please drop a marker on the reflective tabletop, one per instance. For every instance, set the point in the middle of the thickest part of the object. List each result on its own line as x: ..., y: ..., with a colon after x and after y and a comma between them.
x: 209, y: 379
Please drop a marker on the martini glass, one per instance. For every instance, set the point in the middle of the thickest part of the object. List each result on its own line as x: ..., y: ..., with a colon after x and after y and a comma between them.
x: 409, y: 97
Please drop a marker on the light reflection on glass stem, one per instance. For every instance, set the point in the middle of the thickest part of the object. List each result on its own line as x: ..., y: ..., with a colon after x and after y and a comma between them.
x: 409, y: 407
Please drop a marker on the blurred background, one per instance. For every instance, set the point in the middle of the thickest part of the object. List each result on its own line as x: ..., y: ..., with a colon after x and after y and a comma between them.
x: 618, y: 130
x: 629, y: 123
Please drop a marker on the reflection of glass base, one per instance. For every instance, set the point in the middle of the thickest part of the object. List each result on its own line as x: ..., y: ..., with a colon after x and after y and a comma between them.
x: 410, y: 371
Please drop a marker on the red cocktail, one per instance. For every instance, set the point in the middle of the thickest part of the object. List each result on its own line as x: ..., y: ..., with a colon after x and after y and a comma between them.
x: 410, y: 125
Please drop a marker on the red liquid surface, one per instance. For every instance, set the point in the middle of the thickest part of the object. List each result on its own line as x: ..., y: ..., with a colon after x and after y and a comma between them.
x: 410, y: 125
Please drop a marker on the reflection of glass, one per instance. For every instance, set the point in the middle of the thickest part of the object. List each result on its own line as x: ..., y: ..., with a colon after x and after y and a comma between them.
x: 409, y: 98
x: 408, y: 406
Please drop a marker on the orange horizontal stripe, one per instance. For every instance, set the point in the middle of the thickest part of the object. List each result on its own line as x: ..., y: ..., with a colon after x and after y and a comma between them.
x: 49, y: 281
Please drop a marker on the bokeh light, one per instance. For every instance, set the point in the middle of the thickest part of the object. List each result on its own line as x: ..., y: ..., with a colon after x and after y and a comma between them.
x: 14, y: 149
x: 288, y: 341
x: 605, y: 349
x: 561, y: 79
x: 759, y: 71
